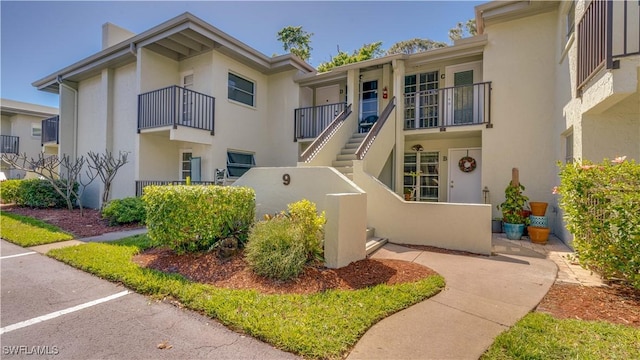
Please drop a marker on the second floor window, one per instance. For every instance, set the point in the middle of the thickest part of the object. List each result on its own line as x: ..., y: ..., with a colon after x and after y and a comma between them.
x: 36, y: 131
x: 241, y: 90
x: 571, y: 19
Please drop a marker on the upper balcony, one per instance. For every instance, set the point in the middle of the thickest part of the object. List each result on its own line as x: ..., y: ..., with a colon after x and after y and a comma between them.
x: 447, y: 107
x: 175, y: 106
x: 50, y: 130
x: 309, y: 122
x: 9, y: 144
x: 607, y: 30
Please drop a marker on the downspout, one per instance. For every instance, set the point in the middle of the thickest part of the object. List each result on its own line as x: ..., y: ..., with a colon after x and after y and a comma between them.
x: 75, y: 115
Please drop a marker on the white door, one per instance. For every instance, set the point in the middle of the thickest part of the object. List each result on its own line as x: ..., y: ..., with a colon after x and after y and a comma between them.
x: 368, y: 104
x: 465, y: 176
x: 187, y: 98
x: 462, y: 99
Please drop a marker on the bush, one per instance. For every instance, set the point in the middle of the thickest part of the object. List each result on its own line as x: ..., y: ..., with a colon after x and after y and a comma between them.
x: 274, y: 249
x: 195, y: 218
x: 37, y: 193
x: 304, y: 214
x: 124, y: 211
x: 601, y: 205
x: 9, y: 191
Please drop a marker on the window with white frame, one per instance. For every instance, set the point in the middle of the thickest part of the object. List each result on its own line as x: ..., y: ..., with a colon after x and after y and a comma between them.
x: 241, y: 90
x: 36, y: 130
x: 571, y: 19
x: 568, y: 140
x: 185, y: 164
x: 421, y: 100
x: 239, y: 162
x: 421, y: 175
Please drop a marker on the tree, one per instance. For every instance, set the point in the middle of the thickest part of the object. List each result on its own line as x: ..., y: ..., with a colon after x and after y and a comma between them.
x: 414, y: 46
x: 106, y: 167
x: 62, y: 173
x: 296, y: 41
x: 463, y: 30
x: 366, y: 52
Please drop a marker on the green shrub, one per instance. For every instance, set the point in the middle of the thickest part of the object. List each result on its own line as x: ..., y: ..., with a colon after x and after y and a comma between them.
x: 601, y: 205
x: 124, y: 211
x: 304, y: 214
x: 274, y: 249
x: 37, y: 193
x: 9, y: 190
x: 195, y: 218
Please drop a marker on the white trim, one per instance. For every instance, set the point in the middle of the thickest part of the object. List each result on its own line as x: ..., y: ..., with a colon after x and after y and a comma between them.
x: 449, y: 167
x: 180, y: 161
x: 255, y: 89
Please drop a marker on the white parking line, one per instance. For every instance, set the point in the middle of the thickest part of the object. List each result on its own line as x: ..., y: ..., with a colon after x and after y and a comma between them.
x: 53, y: 315
x: 12, y: 256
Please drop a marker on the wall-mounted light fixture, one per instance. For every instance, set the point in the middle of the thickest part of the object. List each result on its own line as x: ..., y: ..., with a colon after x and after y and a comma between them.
x: 417, y: 147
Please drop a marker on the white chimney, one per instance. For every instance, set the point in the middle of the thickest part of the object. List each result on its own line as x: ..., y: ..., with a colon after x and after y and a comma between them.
x: 113, y: 34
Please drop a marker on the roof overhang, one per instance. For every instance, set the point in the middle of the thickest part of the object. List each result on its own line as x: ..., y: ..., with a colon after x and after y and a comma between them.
x: 180, y: 38
x: 12, y: 107
x: 499, y: 11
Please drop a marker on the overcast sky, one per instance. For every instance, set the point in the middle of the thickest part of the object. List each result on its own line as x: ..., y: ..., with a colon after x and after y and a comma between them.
x: 40, y: 38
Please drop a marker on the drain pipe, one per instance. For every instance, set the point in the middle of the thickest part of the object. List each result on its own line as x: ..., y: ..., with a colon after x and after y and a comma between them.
x: 75, y: 115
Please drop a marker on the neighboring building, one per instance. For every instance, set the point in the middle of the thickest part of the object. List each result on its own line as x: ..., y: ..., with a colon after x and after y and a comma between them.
x: 23, y: 131
x: 450, y: 123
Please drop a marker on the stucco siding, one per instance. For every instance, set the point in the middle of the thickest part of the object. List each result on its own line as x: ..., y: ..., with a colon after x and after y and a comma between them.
x: 125, y: 124
x: 523, y: 82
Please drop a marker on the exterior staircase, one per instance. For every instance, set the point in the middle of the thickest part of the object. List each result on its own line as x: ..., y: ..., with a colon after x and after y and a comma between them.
x: 344, y: 160
x: 374, y: 243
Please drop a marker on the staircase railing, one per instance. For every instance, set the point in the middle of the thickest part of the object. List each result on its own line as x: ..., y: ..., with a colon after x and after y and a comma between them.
x: 325, y: 136
x: 375, y: 129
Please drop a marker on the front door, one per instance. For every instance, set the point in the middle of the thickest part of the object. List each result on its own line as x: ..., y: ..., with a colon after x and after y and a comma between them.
x: 465, y: 176
x: 461, y: 94
x: 368, y: 104
x: 187, y: 98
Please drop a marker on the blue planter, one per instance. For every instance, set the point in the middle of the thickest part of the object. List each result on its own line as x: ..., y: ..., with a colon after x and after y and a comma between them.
x: 538, y: 221
x: 513, y: 231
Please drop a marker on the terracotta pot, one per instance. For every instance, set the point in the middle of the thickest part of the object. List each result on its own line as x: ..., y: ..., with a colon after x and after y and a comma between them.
x: 538, y: 235
x: 407, y: 197
x: 538, y: 208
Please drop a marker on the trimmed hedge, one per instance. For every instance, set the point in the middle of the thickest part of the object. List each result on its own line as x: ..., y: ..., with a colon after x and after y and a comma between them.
x: 9, y: 190
x: 601, y: 204
x: 195, y: 218
x: 124, y: 211
x: 37, y: 193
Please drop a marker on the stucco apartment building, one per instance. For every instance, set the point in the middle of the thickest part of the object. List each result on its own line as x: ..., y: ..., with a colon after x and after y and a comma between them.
x: 26, y: 129
x: 542, y: 82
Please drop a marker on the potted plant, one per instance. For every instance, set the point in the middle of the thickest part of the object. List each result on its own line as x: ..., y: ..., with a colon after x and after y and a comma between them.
x: 407, y: 193
x: 514, y: 214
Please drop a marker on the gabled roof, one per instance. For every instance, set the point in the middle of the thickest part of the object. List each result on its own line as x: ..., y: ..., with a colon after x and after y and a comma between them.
x: 179, y: 38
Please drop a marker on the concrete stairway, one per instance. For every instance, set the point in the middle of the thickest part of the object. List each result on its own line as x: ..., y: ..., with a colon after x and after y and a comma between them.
x: 344, y: 160
x: 374, y: 243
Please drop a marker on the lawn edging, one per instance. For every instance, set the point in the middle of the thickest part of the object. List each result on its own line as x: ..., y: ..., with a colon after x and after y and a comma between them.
x: 322, y: 325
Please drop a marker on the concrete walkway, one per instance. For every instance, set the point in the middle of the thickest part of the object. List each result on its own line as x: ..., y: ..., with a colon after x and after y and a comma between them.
x: 112, y: 236
x: 484, y: 296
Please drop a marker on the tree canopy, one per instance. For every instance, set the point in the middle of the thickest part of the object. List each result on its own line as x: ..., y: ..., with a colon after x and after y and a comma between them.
x: 297, y: 41
x: 463, y: 30
x: 413, y: 46
x: 366, y: 52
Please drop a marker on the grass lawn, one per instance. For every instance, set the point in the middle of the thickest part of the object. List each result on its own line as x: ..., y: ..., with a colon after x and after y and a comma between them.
x: 26, y: 231
x: 323, y: 325
x: 540, y: 336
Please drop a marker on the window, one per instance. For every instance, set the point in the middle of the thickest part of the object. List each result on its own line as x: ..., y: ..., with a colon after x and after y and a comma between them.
x: 185, y: 164
x: 571, y: 19
x: 568, y: 148
x: 241, y: 90
x: 421, y: 172
x: 425, y: 103
x: 36, y: 130
x: 239, y: 163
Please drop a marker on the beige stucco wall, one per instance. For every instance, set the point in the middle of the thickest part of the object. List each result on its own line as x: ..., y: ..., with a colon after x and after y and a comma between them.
x: 125, y: 125
x: 521, y: 64
x: 20, y: 125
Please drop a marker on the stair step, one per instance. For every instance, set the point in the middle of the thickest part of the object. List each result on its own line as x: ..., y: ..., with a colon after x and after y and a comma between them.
x: 374, y: 244
x: 342, y: 163
x: 370, y: 232
x: 344, y: 169
x: 348, y: 151
x: 351, y: 145
x: 359, y: 136
x: 351, y: 156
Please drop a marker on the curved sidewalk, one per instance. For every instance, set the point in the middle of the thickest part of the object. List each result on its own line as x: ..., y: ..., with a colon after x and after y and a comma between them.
x: 484, y: 296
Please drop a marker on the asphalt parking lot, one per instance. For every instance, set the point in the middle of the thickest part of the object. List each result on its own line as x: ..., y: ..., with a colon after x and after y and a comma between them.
x: 50, y: 310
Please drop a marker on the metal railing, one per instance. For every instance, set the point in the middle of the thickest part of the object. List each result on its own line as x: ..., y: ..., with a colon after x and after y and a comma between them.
x: 375, y: 129
x: 325, y: 135
x: 10, y: 144
x: 175, y: 105
x: 596, y: 32
x: 452, y: 106
x: 310, y: 121
x: 140, y: 184
x: 50, y: 130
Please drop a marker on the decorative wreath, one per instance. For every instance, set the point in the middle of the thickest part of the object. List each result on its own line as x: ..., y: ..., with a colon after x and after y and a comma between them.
x: 467, y: 164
